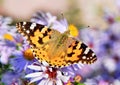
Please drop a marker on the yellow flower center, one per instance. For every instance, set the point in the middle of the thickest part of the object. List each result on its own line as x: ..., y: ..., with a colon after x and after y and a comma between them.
x: 8, y: 37
x: 73, y: 30
x: 28, y: 54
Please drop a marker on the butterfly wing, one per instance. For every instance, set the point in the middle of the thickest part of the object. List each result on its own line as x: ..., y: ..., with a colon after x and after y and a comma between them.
x: 79, y: 52
x: 37, y: 35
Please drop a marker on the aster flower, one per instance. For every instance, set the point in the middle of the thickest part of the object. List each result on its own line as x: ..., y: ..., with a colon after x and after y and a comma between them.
x: 21, y: 59
x: 46, y: 75
x: 5, y: 20
x: 110, y: 64
x: 9, y: 44
x: 60, y: 25
x: 114, y: 31
x: 6, y: 46
x: 9, y: 39
x: 43, y: 18
x: 4, y: 26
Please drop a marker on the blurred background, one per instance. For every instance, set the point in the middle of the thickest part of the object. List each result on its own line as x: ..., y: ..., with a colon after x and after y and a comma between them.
x: 102, y: 35
x: 84, y: 12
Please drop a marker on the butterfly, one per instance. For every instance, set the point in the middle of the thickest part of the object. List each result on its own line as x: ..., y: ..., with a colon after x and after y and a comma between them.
x: 57, y: 49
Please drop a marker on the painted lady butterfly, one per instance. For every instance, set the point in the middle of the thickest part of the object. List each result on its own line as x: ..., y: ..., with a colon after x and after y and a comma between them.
x: 58, y: 49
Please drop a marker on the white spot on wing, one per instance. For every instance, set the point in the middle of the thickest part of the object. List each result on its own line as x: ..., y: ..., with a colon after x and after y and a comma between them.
x: 27, y: 31
x: 84, y: 57
x: 93, y: 54
x: 90, y: 57
x: 23, y: 26
x: 32, y: 26
x: 87, y: 58
x: 24, y: 23
x: 86, y: 50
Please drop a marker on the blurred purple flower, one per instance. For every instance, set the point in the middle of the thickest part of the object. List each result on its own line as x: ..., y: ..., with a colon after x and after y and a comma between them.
x: 43, y: 18
x: 8, y: 46
x: 5, y: 21
x: 51, y: 21
x: 9, y: 39
x: 60, y: 25
x: 11, y: 78
x: 109, y: 16
x: 73, y: 70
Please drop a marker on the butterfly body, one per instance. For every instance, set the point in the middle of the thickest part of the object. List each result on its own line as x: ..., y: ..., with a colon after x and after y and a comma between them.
x: 58, y: 49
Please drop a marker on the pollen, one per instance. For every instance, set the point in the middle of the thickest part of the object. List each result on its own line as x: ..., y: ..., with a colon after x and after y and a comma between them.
x: 28, y: 54
x: 73, y: 30
x: 8, y: 37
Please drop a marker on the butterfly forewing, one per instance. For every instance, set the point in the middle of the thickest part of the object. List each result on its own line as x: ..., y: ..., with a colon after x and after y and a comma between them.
x: 36, y: 34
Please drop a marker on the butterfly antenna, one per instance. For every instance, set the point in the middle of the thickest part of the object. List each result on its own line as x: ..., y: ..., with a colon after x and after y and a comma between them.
x: 64, y: 22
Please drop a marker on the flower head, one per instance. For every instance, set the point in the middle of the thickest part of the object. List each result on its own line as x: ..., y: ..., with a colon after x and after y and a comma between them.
x: 21, y: 59
x: 46, y: 75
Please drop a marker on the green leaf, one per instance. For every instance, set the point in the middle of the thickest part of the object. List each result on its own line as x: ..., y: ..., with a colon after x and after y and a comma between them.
x: 78, y: 83
x: 2, y: 83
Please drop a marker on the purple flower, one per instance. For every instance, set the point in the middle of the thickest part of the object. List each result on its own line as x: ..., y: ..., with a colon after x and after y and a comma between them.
x: 8, y: 46
x: 43, y: 18
x: 11, y: 78
x: 51, y: 21
x: 10, y: 40
x: 73, y: 70
x: 22, y: 59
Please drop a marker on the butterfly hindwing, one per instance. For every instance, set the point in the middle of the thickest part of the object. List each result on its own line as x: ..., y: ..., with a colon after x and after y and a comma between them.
x: 55, y: 61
